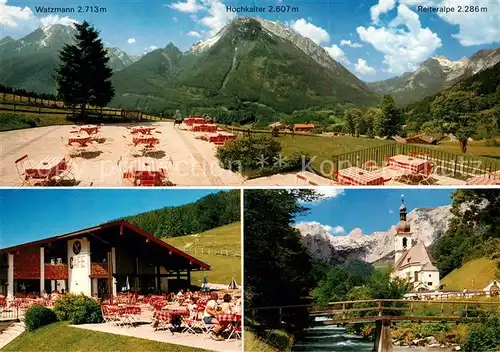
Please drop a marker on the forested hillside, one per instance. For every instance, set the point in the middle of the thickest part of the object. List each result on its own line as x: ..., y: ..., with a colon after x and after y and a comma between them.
x: 471, y: 107
x: 207, y: 213
x: 474, y: 231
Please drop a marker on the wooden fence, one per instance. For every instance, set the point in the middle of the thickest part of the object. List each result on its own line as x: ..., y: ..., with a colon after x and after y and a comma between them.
x: 211, y: 251
x: 368, y: 310
x: 54, y: 107
x: 446, y: 163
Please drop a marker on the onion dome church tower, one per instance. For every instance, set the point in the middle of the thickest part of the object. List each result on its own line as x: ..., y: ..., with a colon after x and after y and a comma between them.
x: 403, y: 239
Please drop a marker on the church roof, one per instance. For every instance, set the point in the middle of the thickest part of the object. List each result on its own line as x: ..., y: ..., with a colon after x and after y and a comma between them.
x: 416, y: 255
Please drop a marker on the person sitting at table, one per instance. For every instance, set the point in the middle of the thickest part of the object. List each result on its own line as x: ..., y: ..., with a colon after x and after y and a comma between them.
x: 225, y: 306
x: 180, y: 294
x: 209, y: 317
x: 45, y: 294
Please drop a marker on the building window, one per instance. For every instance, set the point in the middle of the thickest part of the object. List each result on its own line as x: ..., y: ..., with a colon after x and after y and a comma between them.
x: 405, y: 242
x: 429, y: 284
x: 429, y: 275
x: 416, y: 276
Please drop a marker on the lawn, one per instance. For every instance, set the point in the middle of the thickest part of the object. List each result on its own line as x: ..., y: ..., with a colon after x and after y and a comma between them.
x: 223, y: 268
x: 324, y: 147
x: 476, y: 148
x: 473, y: 275
x: 62, y: 337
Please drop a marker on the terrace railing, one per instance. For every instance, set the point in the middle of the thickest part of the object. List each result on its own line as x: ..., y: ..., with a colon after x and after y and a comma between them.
x: 456, y: 165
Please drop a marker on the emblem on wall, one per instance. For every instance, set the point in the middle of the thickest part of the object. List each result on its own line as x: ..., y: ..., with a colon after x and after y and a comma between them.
x: 77, y: 247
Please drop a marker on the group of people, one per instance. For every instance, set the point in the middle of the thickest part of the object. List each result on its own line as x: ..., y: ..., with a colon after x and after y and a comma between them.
x: 213, y: 308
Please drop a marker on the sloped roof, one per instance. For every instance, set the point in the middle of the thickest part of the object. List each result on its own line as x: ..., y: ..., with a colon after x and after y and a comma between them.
x: 304, y: 125
x: 416, y: 255
x: 425, y: 137
x: 167, y: 247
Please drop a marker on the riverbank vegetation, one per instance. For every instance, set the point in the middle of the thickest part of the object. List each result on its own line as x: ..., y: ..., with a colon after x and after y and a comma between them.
x: 279, y: 271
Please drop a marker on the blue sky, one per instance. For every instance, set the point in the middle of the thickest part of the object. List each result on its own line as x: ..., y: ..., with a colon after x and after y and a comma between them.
x: 370, y: 209
x: 375, y: 39
x: 29, y: 215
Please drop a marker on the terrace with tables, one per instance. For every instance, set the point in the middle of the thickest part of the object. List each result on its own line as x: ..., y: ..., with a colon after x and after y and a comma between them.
x: 151, y: 154
x: 404, y: 164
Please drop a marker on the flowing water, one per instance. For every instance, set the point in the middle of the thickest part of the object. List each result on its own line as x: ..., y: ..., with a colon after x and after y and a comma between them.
x: 335, y: 339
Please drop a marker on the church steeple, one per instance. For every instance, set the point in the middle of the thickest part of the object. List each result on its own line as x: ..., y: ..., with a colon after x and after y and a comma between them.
x: 403, y: 226
x: 403, y: 237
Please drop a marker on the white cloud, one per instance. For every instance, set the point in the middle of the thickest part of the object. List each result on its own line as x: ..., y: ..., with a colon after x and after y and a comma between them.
x: 150, y: 48
x: 131, y: 40
x: 174, y: 19
x: 351, y: 44
x: 337, y: 53
x: 382, y: 7
x: 190, y: 6
x: 329, y: 192
x: 362, y: 67
x: 193, y: 17
x: 403, y: 42
x: 334, y: 230
x: 194, y: 34
x: 55, y: 19
x: 309, y: 30
x: 14, y: 16
x: 217, y: 17
x: 391, y: 211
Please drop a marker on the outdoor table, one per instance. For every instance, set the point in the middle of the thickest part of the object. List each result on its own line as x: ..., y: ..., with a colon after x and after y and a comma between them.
x: 80, y: 139
x: 229, y: 318
x: 170, y: 314
x: 204, y: 128
x: 90, y: 129
x: 47, y: 167
x: 148, y: 140
x: 358, y: 177
x: 414, y: 165
x: 145, y: 169
x: 143, y: 129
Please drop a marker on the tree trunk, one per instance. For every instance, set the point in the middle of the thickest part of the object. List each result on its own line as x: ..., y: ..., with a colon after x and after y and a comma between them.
x: 463, y: 145
x: 83, y: 111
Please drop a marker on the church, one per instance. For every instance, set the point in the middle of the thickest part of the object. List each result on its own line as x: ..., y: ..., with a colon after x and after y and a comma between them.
x: 412, y: 259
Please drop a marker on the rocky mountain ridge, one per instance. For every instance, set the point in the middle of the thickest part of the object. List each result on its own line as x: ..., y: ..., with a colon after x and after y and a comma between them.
x: 435, y: 74
x: 427, y: 225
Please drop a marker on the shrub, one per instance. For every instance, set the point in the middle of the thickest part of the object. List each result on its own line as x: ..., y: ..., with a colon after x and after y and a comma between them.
x: 78, y: 309
x: 484, y: 336
x: 279, y: 339
x: 249, y: 153
x: 38, y: 316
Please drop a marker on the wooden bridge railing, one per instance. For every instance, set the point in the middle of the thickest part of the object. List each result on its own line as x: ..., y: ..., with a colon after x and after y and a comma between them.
x: 433, y: 310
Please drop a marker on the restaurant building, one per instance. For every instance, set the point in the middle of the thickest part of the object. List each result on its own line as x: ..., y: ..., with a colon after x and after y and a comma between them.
x: 97, y: 261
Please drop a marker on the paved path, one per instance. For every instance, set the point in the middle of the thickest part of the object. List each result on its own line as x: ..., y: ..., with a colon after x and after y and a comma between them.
x: 8, y: 335
x: 147, y: 332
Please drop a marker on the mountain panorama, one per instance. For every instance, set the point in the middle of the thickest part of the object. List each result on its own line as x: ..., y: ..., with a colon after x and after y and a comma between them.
x: 249, y: 61
x: 427, y: 225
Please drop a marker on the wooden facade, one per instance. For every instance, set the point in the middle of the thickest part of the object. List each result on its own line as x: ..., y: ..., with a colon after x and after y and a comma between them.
x: 98, y: 261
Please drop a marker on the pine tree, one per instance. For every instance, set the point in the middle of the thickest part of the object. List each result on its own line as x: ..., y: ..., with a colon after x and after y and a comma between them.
x: 390, y: 120
x: 83, y: 75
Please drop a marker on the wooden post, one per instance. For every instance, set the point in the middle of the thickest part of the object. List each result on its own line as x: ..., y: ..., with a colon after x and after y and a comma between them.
x: 380, y: 308
x: 110, y: 277
x: 280, y: 315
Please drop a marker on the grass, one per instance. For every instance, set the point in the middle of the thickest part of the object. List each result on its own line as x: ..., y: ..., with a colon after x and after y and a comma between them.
x: 14, y: 121
x: 62, y: 337
x: 276, y: 340
x: 324, y: 147
x: 473, y: 275
x: 253, y: 343
x: 476, y: 148
x: 223, y: 268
